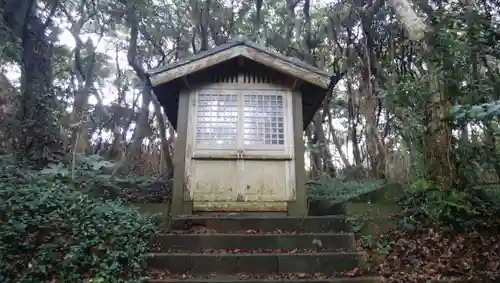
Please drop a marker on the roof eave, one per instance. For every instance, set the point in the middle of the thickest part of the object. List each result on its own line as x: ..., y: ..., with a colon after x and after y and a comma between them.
x: 231, y: 50
x: 289, y: 67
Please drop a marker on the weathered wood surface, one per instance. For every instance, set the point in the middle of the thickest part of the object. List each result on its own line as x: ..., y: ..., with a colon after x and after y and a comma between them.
x: 247, y: 52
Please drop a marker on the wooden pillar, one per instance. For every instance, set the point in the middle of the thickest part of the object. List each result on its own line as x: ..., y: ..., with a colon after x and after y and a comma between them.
x: 299, y: 206
x: 179, y: 205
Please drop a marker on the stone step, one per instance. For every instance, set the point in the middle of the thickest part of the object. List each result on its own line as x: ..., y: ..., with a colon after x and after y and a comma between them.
x: 256, y: 242
x: 236, y: 280
x: 239, y: 224
x: 259, y: 263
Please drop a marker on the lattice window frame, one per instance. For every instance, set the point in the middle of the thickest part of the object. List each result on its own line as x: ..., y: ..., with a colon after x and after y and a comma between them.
x: 266, y: 124
x: 231, y: 117
x: 241, y: 92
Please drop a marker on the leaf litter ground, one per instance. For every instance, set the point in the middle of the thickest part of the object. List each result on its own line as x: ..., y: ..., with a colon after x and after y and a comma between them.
x: 431, y: 255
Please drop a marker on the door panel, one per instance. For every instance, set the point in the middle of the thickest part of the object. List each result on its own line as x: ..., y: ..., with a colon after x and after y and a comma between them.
x: 215, y: 181
x: 265, y: 180
x: 265, y: 137
x: 214, y: 166
x: 242, y: 152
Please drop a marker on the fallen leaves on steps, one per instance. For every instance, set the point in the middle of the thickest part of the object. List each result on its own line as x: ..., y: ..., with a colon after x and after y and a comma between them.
x: 262, y: 232
x: 158, y: 274
x: 255, y: 251
x: 200, y: 229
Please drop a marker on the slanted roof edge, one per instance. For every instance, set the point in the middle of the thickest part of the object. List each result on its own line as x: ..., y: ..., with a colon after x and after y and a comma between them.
x: 202, y: 55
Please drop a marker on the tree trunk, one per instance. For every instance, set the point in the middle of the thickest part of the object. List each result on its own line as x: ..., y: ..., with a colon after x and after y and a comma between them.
x: 142, y: 129
x: 437, y: 140
x: 353, y: 122
x: 39, y: 135
x: 326, y: 156
x: 337, y: 143
x: 168, y: 170
x: 315, y: 158
x: 9, y: 114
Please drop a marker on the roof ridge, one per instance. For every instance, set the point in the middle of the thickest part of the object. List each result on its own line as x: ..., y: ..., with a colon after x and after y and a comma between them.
x: 237, y: 41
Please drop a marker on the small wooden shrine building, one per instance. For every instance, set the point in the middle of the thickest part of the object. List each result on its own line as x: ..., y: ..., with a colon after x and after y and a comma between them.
x: 239, y: 111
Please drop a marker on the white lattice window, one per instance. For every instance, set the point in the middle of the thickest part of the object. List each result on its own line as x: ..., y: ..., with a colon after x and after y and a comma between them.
x: 263, y: 120
x: 217, y: 119
x: 251, y: 119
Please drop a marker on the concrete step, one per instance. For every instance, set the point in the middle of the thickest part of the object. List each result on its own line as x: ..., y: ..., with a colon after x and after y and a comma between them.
x: 215, y: 279
x: 259, y: 263
x: 256, y: 242
x: 245, y: 224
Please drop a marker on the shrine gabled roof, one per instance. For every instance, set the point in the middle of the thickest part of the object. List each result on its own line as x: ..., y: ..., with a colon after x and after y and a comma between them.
x: 241, y: 47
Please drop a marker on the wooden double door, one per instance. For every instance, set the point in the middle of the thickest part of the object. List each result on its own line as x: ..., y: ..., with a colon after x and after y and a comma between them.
x: 240, y: 150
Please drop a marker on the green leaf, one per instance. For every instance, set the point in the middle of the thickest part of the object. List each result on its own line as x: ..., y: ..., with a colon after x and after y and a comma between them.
x: 67, y: 232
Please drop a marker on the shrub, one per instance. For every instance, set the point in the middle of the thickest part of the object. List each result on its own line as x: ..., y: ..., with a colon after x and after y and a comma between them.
x: 426, y: 205
x: 50, y: 230
x: 339, y: 191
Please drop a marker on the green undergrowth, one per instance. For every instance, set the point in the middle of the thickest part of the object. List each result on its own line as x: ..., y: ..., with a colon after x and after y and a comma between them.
x: 368, y: 205
x: 96, y: 176
x: 161, y: 212
x: 54, y: 230
x: 418, y: 232
x: 339, y: 191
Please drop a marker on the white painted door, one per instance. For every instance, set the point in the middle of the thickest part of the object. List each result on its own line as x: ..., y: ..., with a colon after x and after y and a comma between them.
x: 241, y: 150
x: 267, y: 150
